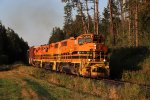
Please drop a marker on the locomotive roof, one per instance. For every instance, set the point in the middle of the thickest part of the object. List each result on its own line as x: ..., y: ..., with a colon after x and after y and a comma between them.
x: 71, y: 38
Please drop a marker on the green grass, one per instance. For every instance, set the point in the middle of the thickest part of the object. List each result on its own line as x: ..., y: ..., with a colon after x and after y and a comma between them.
x: 41, y: 91
x: 141, y: 76
x: 95, y: 88
x: 9, y: 90
x: 40, y: 84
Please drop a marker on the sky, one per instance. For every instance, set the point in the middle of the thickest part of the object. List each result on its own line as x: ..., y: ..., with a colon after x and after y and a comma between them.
x: 33, y: 20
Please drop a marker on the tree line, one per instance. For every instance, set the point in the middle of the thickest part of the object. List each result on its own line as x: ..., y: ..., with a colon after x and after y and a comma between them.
x: 12, y: 47
x: 124, y: 23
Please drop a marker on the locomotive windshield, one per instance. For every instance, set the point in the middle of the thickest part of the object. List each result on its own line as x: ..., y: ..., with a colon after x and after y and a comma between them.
x: 82, y: 40
x: 88, y: 40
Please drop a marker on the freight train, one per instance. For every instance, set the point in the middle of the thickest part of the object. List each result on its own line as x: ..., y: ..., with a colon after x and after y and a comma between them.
x: 85, y: 55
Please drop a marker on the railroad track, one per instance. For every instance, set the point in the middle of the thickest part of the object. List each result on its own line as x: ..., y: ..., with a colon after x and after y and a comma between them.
x: 109, y: 81
x: 119, y: 82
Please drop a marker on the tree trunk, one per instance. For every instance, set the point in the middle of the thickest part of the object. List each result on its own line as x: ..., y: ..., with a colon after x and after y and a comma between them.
x: 111, y: 23
x: 83, y: 19
x: 94, y: 19
x: 129, y: 29
x: 87, y: 10
x: 97, y: 19
x: 122, y: 15
x: 136, y: 24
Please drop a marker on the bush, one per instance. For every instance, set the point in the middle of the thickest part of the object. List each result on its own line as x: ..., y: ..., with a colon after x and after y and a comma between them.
x: 127, y: 59
x: 3, y: 59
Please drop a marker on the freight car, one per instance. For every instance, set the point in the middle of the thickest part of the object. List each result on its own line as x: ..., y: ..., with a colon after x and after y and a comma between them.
x: 85, y: 55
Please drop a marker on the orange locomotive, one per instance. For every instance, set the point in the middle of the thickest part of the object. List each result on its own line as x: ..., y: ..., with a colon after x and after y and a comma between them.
x: 85, y: 55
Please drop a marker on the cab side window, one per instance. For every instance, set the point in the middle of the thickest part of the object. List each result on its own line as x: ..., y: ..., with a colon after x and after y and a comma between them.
x: 64, y: 43
x: 81, y: 40
x: 56, y: 46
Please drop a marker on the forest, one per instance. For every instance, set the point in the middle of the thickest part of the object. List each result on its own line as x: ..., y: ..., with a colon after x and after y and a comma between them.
x: 124, y: 23
x: 12, y: 47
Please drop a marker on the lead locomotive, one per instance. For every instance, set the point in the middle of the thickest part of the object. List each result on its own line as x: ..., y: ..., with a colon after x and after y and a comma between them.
x: 85, y: 55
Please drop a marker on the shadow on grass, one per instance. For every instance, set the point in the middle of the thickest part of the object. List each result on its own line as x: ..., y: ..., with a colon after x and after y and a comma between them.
x: 43, y: 93
x: 127, y: 59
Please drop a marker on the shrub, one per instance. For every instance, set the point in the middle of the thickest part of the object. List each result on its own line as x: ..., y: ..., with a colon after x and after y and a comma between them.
x: 129, y: 59
x: 3, y: 59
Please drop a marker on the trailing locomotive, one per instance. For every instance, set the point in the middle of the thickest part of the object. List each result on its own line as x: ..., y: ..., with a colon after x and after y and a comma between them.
x: 84, y: 55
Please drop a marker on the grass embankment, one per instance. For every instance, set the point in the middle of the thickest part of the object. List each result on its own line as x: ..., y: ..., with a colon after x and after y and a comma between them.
x: 19, y: 83
x: 31, y: 83
x: 9, y: 90
x: 94, y: 87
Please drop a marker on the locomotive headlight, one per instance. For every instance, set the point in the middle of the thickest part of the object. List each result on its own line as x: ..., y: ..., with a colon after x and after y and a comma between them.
x: 94, y: 46
x: 104, y: 60
x: 89, y: 59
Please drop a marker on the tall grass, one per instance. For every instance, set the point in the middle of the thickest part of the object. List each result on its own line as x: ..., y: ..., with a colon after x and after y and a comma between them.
x: 9, y: 90
x: 141, y: 76
x: 94, y: 87
x: 129, y: 92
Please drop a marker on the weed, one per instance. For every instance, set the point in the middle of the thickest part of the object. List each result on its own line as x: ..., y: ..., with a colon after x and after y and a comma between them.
x: 129, y: 92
